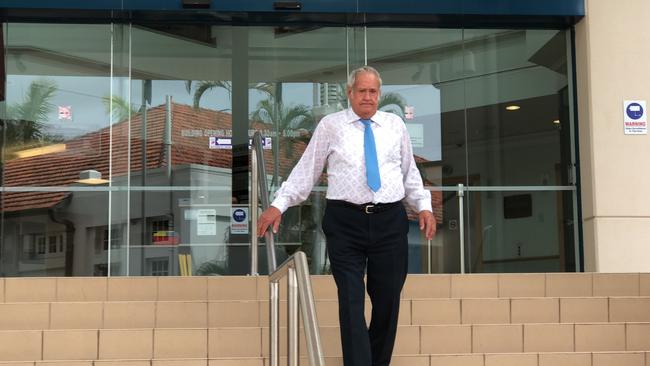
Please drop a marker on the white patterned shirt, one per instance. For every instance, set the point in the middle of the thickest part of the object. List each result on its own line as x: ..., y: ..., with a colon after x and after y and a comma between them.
x: 338, y: 143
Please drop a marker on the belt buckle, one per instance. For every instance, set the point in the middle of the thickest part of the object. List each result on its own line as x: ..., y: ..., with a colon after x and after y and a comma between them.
x: 369, y: 207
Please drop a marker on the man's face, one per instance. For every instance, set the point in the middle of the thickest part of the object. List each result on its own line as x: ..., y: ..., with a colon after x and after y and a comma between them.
x: 364, y: 95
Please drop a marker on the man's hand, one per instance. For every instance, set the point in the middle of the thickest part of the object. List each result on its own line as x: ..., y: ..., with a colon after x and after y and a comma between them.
x: 427, y: 224
x: 271, y: 216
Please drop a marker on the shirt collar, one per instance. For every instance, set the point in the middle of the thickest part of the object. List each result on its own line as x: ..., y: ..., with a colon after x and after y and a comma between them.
x: 352, y: 117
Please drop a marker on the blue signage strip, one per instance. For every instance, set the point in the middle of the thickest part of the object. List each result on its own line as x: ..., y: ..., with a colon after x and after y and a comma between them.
x: 557, y: 14
x: 570, y: 8
x: 65, y: 4
x: 525, y: 7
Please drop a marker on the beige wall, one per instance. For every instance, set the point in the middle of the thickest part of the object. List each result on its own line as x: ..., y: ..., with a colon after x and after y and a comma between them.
x: 613, y: 65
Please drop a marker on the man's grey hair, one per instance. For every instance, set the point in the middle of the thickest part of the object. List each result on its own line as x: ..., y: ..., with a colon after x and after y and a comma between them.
x: 353, y: 75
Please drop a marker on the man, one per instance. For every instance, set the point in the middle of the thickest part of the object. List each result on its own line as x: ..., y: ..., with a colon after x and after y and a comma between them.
x: 370, y: 169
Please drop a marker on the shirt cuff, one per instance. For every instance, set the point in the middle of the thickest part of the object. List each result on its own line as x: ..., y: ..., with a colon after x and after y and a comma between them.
x: 281, y: 204
x: 424, y: 205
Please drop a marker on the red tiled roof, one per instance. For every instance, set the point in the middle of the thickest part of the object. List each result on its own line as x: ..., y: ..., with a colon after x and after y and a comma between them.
x: 91, y: 151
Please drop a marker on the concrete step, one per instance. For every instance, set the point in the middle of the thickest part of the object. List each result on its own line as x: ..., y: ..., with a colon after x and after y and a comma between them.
x: 255, y: 313
x: 256, y: 288
x: 485, y: 359
x: 551, y: 319
x: 181, y: 343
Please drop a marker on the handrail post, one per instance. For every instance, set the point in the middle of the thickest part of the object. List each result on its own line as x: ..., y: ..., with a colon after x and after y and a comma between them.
x: 257, y: 160
x: 299, y: 291
x: 299, y: 295
x: 254, y: 214
x: 308, y: 310
x: 292, y: 318
x: 461, y: 219
x: 274, y: 318
x: 429, y: 256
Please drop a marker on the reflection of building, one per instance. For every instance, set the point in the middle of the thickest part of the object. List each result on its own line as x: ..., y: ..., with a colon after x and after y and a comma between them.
x: 67, y: 232
x: 61, y: 226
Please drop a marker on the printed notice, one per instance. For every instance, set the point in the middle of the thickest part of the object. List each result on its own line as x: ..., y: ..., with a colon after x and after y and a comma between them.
x: 206, y: 222
x: 416, y: 132
x: 635, y: 117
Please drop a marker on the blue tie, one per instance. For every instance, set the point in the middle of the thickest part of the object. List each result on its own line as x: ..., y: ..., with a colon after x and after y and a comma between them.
x: 370, y: 151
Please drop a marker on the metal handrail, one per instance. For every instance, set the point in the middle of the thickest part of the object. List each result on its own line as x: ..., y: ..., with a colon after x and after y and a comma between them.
x: 461, y: 215
x: 299, y: 292
x: 295, y: 268
x: 259, y: 191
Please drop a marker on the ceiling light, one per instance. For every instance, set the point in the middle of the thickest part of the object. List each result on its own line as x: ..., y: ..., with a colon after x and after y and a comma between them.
x: 513, y: 107
x: 556, y: 121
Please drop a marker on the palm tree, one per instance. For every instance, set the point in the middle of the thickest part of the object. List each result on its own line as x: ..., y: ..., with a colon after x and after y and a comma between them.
x: 26, y: 120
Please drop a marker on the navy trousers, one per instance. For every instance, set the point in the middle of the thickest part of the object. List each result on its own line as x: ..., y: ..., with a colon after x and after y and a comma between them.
x: 376, y: 243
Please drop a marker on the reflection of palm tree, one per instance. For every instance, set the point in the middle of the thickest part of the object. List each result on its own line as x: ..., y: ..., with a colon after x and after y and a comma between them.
x: 120, y: 109
x: 393, y: 103
x: 205, y: 85
x: 286, y: 120
x: 26, y: 120
x: 389, y: 102
x: 294, y: 123
x: 211, y: 268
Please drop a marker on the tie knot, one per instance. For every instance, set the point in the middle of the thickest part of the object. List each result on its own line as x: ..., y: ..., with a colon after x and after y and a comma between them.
x: 366, y: 122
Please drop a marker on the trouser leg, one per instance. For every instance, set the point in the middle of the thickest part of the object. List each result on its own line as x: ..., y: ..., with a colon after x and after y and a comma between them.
x: 387, y: 269
x: 344, y: 230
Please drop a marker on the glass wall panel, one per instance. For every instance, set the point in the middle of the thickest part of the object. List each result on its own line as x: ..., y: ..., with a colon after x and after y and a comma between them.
x: 299, y: 74
x: 516, y: 89
x: 120, y: 152
x: 180, y: 159
x: 518, y: 134
x: 520, y: 231
x: 56, y: 147
x: 452, y: 87
x: 422, y: 73
x: 125, y: 148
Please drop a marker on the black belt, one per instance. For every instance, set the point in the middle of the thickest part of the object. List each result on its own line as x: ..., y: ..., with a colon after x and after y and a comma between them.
x: 368, y: 208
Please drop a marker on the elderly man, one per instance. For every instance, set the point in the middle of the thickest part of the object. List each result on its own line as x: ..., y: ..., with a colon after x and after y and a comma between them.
x: 370, y: 170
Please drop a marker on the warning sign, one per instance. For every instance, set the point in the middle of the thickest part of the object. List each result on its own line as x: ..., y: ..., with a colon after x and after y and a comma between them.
x: 635, y: 117
x: 239, y: 220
